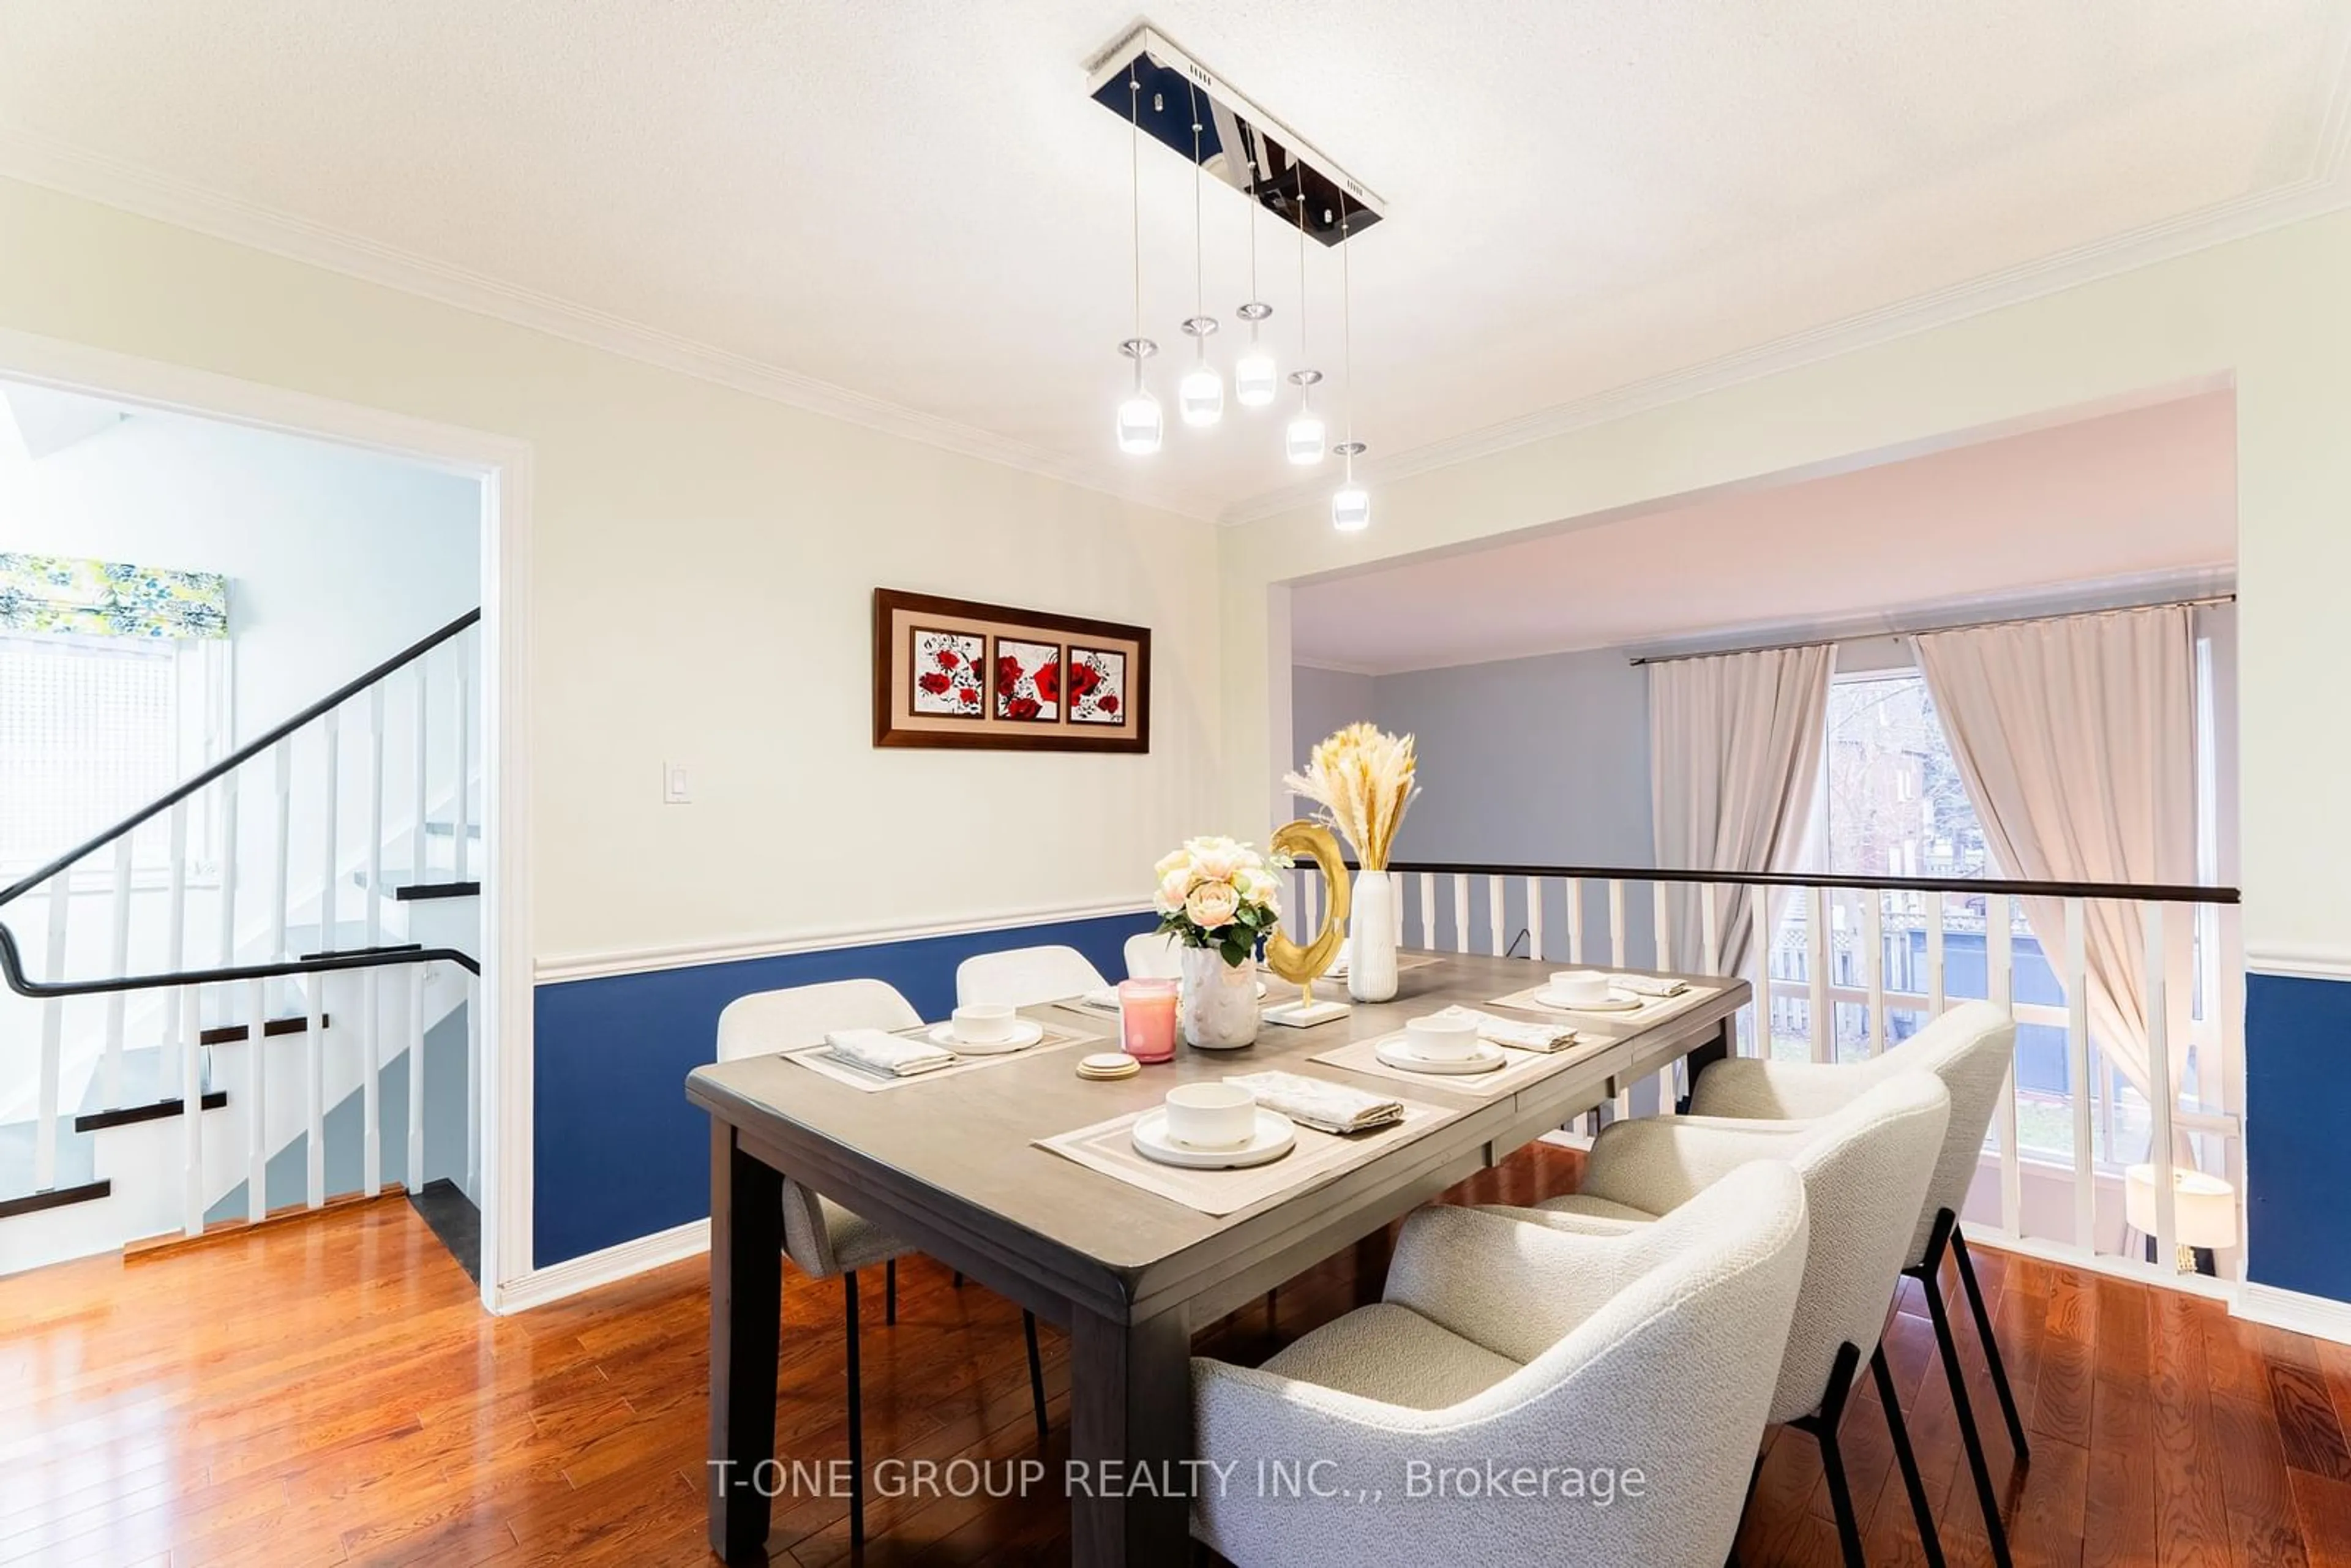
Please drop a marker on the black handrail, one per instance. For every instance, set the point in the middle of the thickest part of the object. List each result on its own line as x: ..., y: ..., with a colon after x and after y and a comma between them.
x: 2142, y: 892
x: 241, y: 756
x: 12, y: 965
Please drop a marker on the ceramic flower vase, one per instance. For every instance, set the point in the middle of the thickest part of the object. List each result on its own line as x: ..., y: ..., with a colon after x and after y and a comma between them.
x: 1371, y: 938
x: 1219, y: 1004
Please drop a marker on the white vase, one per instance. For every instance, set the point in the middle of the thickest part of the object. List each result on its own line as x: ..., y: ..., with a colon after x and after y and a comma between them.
x: 1371, y: 938
x: 1220, y: 1000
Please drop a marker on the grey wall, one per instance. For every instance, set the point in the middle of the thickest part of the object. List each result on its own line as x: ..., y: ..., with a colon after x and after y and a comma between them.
x: 1540, y: 761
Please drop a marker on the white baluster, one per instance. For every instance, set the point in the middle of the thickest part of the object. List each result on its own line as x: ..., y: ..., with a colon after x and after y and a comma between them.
x: 314, y: 1079
x: 1873, y: 938
x: 464, y: 746
x: 1935, y: 996
x: 1816, y: 973
x: 421, y: 800
x: 1428, y: 910
x: 1661, y: 922
x: 375, y: 818
x: 175, y: 919
x: 1709, y: 928
x: 330, y: 899
x: 2161, y: 1094
x: 2077, y: 1075
x: 257, y: 1089
x: 473, y: 983
x: 117, y: 963
x: 228, y: 872
x: 2000, y: 981
x: 53, y: 1036
x: 1534, y: 919
x: 1575, y: 920
x: 1495, y: 914
x: 191, y: 1109
x: 1461, y: 912
x: 370, y: 1083
x: 416, y: 1077
x: 280, y: 856
x: 1615, y: 923
x: 1761, y: 939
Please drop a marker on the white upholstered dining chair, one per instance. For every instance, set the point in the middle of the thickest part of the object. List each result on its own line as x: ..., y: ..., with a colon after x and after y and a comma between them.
x: 1154, y: 956
x: 1024, y: 977
x: 1591, y: 1357
x: 1969, y: 1048
x: 1865, y: 1168
x: 820, y: 1236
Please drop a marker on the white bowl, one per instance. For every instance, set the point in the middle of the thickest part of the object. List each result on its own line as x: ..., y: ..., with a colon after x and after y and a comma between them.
x: 984, y: 1023
x: 1443, y: 1036
x: 1211, y: 1115
x: 1579, y: 985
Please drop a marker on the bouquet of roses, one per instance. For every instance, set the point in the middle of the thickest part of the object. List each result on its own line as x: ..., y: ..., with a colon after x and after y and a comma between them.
x: 1216, y: 893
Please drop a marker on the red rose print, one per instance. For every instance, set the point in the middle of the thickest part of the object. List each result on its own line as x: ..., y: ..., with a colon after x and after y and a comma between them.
x: 1109, y: 704
x: 947, y: 660
x: 1020, y: 707
x: 1049, y: 680
x: 1008, y: 671
x: 1084, y: 680
x: 968, y: 696
x: 934, y: 683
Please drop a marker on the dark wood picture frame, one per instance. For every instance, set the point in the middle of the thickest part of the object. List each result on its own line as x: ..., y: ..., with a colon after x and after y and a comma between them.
x: 896, y: 724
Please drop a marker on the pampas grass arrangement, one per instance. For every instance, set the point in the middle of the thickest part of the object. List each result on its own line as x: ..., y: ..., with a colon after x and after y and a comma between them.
x: 1362, y: 780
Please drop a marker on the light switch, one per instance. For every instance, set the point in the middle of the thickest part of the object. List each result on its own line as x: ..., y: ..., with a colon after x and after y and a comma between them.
x: 674, y: 785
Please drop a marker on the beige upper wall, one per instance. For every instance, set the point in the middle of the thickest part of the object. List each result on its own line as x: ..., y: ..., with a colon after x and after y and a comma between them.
x: 703, y: 563
x: 2272, y: 313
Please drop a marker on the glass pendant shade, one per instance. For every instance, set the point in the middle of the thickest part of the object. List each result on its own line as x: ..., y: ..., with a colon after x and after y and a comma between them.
x: 1301, y: 442
x: 1200, y: 396
x: 1255, y: 379
x: 1351, y: 509
x: 1138, y: 423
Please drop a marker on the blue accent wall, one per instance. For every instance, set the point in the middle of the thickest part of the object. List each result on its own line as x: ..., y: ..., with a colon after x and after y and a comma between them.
x: 619, y: 1153
x: 2297, y: 1148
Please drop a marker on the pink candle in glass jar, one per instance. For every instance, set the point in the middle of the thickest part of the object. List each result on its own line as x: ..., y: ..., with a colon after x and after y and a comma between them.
x: 1146, y: 1016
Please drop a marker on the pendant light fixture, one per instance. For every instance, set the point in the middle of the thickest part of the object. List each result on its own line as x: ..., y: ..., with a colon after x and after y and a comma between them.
x: 1302, y: 438
x: 1351, y: 507
x: 1200, y: 395
x: 1255, y: 377
x: 1138, y: 412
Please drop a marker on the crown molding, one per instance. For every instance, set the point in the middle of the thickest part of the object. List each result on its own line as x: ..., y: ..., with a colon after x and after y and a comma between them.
x: 2324, y: 187
x: 42, y: 161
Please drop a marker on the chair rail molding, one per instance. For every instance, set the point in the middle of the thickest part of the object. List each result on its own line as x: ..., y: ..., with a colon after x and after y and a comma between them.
x: 2310, y: 962
x: 503, y: 464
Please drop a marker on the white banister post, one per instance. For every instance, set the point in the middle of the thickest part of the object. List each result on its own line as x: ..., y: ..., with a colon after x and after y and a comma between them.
x: 1428, y: 910
x: 1872, y: 937
x: 1935, y: 996
x: 1461, y: 912
x: 257, y: 1110
x: 1823, y: 1023
x: 420, y: 800
x: 464, y: 747
x: 1496, y: 886
x: 175, y: 919
x: 330, y: 902
x: 1764, y: 935
x: 1615, y: 923
x: 371, y: 1082
x: 2000, y: 984
x: 1534, y: 919
x: 228, y: 876
x: 2077, y: 1075
x: 1575, y: 920
x: 2161, y: 1092
x: 191, y: 1109
x: 1709, y: 928
x: 416, y: 1078
x: 53, y: 1036
x: 119, y: 963
x: 375, y: 818
x: 1661, y: 922
x: 281, y: 873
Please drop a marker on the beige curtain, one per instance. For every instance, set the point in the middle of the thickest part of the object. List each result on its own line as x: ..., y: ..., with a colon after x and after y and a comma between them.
x: 1735, y: 745
x: 2076, y: 740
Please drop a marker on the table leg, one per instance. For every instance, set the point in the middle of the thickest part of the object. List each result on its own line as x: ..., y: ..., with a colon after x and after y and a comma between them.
x: 746, y: 1226
x: 1704, y: 1057
x: 1129, y: 1411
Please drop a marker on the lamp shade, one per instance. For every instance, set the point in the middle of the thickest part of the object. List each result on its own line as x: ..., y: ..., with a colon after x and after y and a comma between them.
x: 1138, y: 423
x: 1254, y: 378
x: 1351, y: 509
x: 1301, y: 442
x: 2203, y: 1208
x: 1200, y: 395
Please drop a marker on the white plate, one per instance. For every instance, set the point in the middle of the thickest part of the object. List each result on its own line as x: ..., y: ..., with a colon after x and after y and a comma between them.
x: 1026, y: 1032
x: 1614, y: 1004
x: 1397, y: 1051
x: 1275, y: 1135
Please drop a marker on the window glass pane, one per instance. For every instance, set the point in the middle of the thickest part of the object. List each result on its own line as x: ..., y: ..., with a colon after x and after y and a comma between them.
x: 88, y: 734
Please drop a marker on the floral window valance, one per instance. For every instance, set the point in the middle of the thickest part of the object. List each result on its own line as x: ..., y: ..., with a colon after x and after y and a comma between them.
x: 108, y: 599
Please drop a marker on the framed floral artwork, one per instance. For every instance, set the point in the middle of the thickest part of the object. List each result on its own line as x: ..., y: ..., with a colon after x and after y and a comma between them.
x: 954, y: 673
x: 1027, y: 680
x: 948, y: 674
x: 1094, y: 682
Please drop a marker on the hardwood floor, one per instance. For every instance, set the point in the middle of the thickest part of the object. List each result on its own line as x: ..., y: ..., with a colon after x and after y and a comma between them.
x: 330, y: 1392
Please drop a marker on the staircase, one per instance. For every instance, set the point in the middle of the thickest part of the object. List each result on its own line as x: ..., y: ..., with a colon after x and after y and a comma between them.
x: 328, y: 1036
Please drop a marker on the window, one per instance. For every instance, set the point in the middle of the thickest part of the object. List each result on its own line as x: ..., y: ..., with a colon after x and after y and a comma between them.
x: 92, y: 728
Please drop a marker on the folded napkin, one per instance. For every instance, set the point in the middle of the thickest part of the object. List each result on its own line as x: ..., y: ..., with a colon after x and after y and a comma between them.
x: 1330, y: 1107
x: 1648, y: 985
x: 1104, y: 1000
x: 1516, y: 1033
x: 873, y: 1050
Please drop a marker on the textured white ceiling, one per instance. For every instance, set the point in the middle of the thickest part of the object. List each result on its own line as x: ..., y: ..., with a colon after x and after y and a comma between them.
x: 2151, y: 493
x: 916, y: 202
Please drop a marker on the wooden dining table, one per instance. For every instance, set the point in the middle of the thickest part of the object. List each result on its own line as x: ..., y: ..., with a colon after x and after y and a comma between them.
x: 952, y: 1168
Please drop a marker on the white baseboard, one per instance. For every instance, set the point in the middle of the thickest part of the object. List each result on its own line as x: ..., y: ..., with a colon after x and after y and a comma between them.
x: 2317, y: 1316
x: 569, y: 1277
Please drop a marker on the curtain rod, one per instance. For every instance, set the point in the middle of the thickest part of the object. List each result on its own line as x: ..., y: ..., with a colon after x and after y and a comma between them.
x: 1945, y: 626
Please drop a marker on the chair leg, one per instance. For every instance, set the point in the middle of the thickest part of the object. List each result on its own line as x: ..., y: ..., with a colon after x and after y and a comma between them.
x: 1928, y: 1537
x: 1036, y: 1372
x: 890, y: 1293
x: 856, y: 1420
x: 1991, y: 1348
x: 1985, y: 1496
x: 958, y: 1279
x: 1841, y: 1498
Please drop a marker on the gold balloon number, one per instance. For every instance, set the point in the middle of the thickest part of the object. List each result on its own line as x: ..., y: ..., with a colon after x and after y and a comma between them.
x: 1302, y: 966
